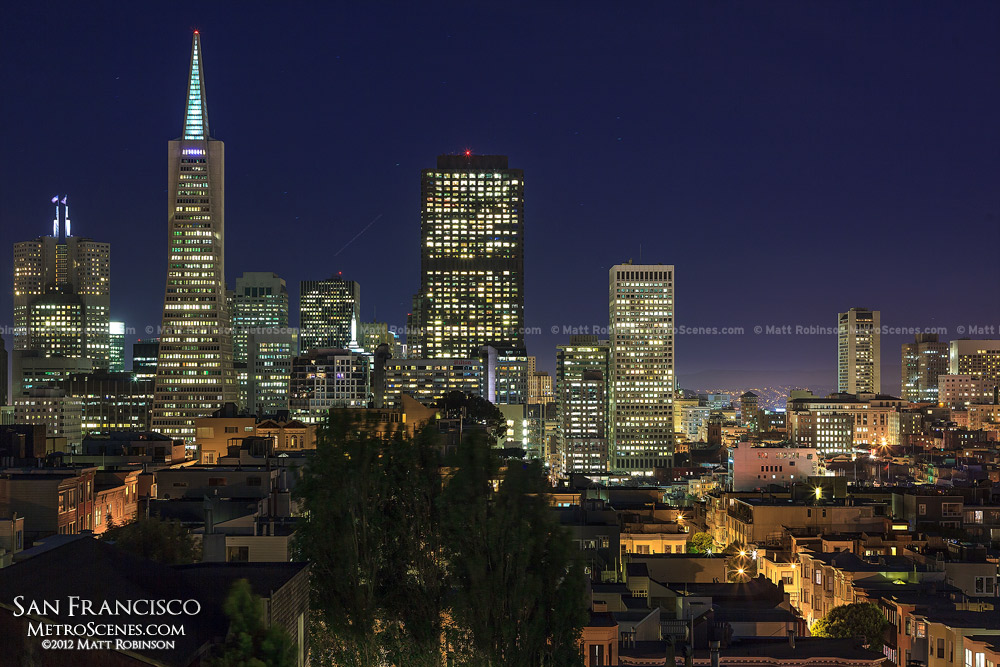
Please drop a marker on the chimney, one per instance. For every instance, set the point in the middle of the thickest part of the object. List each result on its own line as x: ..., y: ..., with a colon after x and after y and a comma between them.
x: 714, y: 649
x: 209, y: 522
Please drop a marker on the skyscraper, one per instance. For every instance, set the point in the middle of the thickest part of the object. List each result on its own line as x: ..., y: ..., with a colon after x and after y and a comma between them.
x: 260, y: 301
x: 858, y: 356
x: 642, y: 366
x: 923, y: 361
x: 328, y: 310
x: 979, y: 358
x: 145, y: 353
x: 57, y: 269
x: 471, y: 258
x: 269, y: 370
x: 3, y: 371
x: 582, y: 404
x: 116, y: 347
x: 194, y: 375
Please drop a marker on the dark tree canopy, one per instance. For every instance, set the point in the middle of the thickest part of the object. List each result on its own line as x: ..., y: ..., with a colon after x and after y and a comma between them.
x: 406, y: 552
x: 166, y: 541
x: 459, y: 405
x: 250, y: 643
x: 860, y: 619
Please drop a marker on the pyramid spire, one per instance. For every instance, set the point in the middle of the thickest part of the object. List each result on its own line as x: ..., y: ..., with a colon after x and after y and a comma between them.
x: 196, y: 111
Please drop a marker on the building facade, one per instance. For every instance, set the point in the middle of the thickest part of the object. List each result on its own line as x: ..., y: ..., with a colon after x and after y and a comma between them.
x: 116, y: 347
x: 641, y: 377
x: 975, y: 357
x: 269, y: 370
x: 923, y: 361
x: 327, y: 378
x: 57, y: 268
x: 582, y: 404
x: 145, y: 353
x: 858, y: 357
x: 194, y: 370
x: 260, y: 301
x: 471, y: 258
x: 428, y: 380
x: 329, y: 311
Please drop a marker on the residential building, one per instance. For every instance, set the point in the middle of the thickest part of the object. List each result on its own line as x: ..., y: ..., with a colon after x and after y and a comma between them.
x: 329, y: 311
x: 327, y: 378
x: 750, y: 411
x: 858, y: 357
x: 194, y: 370
x: 923, y: 361
x: 471, y: 258
x: 53, y: 500
x: 959, y: 391
x: 428, y: 380
x: 641, y: 378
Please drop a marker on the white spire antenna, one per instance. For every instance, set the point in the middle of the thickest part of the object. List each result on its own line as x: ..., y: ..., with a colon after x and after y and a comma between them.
x: 66, y: 213
x: 55, y: 222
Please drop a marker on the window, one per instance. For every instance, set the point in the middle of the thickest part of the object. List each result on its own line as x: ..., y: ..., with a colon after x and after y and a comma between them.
x: 237, y: 554
x: 818, y: 576
x: 968, y: 657
x: 940, y: 647
x: 216, y: 481
x: 230, y: 429
x: 922, y: 509
x: 253, y: 481
x: 984, y: 585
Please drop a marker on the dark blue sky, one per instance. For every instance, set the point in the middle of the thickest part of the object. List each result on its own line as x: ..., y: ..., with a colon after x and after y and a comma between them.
x: 791, y: 159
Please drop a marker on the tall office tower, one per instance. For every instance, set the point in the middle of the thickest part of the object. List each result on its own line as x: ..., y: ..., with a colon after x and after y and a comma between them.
x: 111, y: 401
x: 642, y: 366
x: 3, y: 372
x: 923, y: 361
x: 194, y: 371
x: 269, y: 370
x: 66, y: 265
x: 145, y: 353
x: 328, y: 309
x: 582, y: 405
x: 373, y: 334
x: 750, y: 411
x: 471, y: 258
x: 116, y: 347
x: 980, y: 358
x: 858, y: 357
x: 260, y: 301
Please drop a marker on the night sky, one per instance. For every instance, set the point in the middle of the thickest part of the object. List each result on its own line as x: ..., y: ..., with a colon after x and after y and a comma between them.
x: 792, y: 159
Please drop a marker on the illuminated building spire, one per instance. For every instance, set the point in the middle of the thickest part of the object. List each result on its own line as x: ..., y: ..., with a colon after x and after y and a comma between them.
x: 196, y: 112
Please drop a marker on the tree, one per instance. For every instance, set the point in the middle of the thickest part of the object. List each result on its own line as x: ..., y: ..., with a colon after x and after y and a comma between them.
x: 249, y: 642
x: 518, y: 592
x: 860, y: 619
x: 166, y: 541
x: 700, y: 543
x: 458, y: 404
x: 370, y: 533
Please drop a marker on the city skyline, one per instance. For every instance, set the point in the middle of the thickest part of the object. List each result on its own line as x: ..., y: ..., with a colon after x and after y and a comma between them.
x: 704, y: 237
